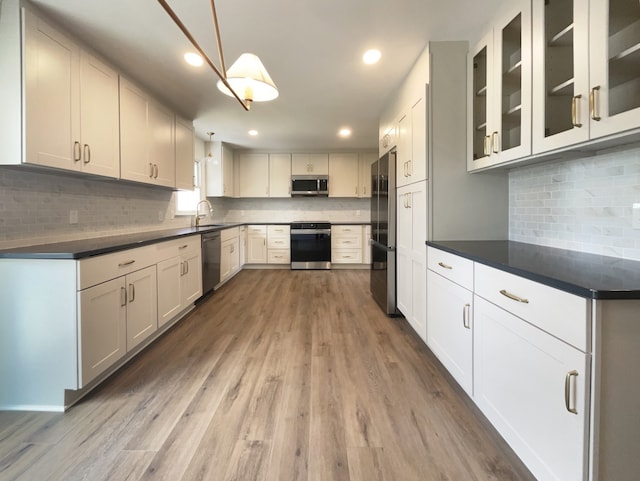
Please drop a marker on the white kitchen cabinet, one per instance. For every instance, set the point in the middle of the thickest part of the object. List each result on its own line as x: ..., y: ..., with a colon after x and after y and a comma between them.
x: 346, y: 244
x: 142, y: 305
x: 254, y: 175
x: 278, y: 244
x: 411, y: 252
x: 147, y: 150
x: 71, y: 104
x: 534, y: 389
x: 185, y: 154
x: 243, y: 245
x: 343, y: 175
x: 219, y: 170
x: 366, y: 246
x: 179, y: 277
x: 306, y: 164
x: 388, y: 138
x: 230, y: 253
x: 365, y: 159
x: 411, y: 152
x: 586, y: 81
x: 279, y: 175
x: 450, y: 314
x: 103, y: 327
x: 500, y: 97
x: 256, y: 244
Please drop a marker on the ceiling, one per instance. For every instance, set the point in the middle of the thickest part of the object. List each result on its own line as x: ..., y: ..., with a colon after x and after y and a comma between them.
x: 312, y: 50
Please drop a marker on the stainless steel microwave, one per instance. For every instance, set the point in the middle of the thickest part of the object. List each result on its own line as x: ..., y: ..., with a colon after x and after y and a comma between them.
x: 310, y: 185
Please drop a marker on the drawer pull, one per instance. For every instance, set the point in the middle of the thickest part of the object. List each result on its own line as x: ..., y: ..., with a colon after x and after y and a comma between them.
x: 183, y: 247
x: 567, y: 391
x: 125, y: 264
x: 444, y: 266
x: 506, y: 293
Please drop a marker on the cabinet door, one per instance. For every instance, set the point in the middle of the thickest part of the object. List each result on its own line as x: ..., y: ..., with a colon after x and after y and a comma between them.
x: 449, y: 327
x: 418, y: 165
x: 364, y: 173
x: 99, y: 117
x: 142, y: 305
x: 185, y: 154
x: 614, y: 47
x: 343, y: 175
x: 234, y: 255
x: 303, y: 164
x: 533, y: 388
x: 511, y: 136
x: 52, y: 129
x: 404, y: 151
x: 225, y: 259
x: 169, y: 296
x: 254, y: 175
x: 480, y: 103
x: 279, y: 175
x: 135, y: 160
x: 191, y: 278
x: 404, y: 237
x: 103, y: 327
x: 162, y: 148
x: 561, y: 74
x: 257, y: 249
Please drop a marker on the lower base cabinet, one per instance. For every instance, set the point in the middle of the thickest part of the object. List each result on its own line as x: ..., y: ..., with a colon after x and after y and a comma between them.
x: 229, y: 253
x: 534, y: 389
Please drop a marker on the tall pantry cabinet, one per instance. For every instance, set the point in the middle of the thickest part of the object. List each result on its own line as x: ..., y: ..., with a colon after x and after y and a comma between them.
x: 437, y: 199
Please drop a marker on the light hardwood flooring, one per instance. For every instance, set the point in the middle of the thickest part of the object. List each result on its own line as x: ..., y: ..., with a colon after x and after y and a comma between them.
x: 279, y: 376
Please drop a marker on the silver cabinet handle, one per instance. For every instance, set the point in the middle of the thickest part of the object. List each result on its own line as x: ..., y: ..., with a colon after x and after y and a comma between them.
x: 155, y: 166
x: 486, y: 148
x: 87, y: 153
x: 575, y: 113
x: 567, y: 391
x: 444, y: 266
x: 150, y: 170
x: 76, y: 151
x: 132, y: 293
x: 126, y: 263
x: 183, y: 247
x: 123, y: 297
x: 506, y: 293
x: 594, y: 102
x: 465, y: 316
x: 409, y: 168
x: 186, y: 267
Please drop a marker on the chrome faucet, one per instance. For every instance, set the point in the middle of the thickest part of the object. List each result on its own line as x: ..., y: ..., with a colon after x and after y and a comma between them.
x: 202, y: 216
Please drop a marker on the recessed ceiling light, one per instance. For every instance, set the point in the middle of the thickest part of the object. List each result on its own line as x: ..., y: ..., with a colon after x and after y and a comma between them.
x: 193, y: 59
x: 371, y: 56
x: 253, y: 132
x: 344, y: 132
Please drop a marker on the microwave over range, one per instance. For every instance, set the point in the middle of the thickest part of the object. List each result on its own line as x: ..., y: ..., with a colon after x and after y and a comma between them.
x: 310, y: 185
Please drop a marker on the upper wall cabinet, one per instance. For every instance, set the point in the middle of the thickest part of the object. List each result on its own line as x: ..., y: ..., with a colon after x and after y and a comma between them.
x: 219, y: 170
x: 185, y: 154
x: 71, y: 104
x: 254, y: 175
x: 314, y: 164
x: 343, y: 175
x: 411, y: 152
x: 587, y: 70
x: 500, y: 103
x: 279, y: 175
x: 146, y: 138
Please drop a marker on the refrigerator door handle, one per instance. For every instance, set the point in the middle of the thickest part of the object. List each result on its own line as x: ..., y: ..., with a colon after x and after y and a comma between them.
x: 382, y: 246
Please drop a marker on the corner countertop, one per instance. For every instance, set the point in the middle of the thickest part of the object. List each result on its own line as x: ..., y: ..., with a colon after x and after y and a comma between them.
x: 586, y: 275
x: 83, y: 248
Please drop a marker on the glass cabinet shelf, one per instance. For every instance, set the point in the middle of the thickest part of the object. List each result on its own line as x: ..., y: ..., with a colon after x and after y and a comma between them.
x: 564, y: 38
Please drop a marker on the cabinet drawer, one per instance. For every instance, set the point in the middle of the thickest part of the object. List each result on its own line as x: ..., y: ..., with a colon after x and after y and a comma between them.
x: 257, y: 229
x: 349, y: 242
x: 557, y: 312
x: 346, y: 230
x: 278, y: 256
x: 278, y: 242
x: 346, y: 256
x: 96, y: 270
x: 227, y: 234
x: 278, y: 230
x: 177, y: 247
x: 453, y: 267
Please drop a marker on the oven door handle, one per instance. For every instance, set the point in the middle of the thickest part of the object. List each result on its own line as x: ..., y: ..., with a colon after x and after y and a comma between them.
x: 310, y: 231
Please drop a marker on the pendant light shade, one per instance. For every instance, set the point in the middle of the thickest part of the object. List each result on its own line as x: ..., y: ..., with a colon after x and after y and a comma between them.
x: 250, y: 80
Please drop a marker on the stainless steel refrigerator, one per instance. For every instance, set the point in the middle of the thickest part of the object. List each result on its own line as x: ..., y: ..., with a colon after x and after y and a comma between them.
x: 383, y: 232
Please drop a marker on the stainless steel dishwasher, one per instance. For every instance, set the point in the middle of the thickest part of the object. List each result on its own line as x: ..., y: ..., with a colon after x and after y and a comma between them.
x: 210, y: 261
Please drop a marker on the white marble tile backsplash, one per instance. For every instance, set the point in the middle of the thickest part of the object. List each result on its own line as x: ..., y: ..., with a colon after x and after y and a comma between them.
x: 583, y: 204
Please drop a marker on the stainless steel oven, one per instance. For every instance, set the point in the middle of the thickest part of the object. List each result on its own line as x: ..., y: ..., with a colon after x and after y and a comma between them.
x: 311, y: 245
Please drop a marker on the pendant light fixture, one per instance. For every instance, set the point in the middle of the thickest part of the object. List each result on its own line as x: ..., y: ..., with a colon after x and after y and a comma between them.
x: 247, y: 80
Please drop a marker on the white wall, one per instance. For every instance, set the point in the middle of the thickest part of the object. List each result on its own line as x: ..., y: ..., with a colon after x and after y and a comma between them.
x: 582, y: 204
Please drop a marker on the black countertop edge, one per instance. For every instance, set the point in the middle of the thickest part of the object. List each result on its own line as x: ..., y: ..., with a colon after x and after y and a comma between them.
x: 586, y: 275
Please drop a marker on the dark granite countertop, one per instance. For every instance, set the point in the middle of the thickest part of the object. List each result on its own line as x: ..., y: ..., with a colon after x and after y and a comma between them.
x: 586, y: 275
x: 83, y: 248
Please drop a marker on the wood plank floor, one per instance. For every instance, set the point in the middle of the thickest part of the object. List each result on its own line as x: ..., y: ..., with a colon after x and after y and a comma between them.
x: 279, y: 376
